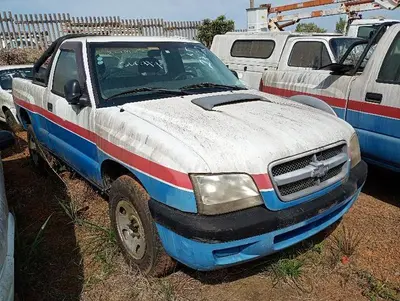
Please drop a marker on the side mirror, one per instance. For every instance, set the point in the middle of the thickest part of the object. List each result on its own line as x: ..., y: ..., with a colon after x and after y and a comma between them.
x: 234, y: 73
x: 6, y: 139
x: 73, y: 92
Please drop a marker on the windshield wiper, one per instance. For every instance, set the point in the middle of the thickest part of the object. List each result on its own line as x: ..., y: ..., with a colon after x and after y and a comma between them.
x: 156, y: 90
x: 211, y: 85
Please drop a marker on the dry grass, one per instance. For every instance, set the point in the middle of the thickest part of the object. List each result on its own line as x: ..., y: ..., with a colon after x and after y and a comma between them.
x: 76, y: 258
x: 19, y: 56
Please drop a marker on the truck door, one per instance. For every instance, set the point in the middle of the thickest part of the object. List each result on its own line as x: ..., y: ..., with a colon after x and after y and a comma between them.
x: 71, y: 132
x: 298, y: 74
x: 374, y: 104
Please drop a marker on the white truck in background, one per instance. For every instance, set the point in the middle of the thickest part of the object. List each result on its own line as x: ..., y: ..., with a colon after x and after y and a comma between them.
x: 365, y: 28
x: 251, y: 54
x: 363, y: 91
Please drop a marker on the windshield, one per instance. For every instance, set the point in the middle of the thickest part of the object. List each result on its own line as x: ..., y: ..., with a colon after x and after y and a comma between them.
x: 6, y: 76
x: 339, y: 46
x: 131, y: 66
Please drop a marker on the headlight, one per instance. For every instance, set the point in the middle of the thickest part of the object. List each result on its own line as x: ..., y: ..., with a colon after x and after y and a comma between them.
x: 355, y: 153
x: 222, y: 193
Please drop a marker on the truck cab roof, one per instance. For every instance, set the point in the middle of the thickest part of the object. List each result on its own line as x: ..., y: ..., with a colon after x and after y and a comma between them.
x: 103, y: 39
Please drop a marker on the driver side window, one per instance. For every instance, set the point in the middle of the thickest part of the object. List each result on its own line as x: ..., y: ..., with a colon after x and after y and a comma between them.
x: 390, y: 70
x: 66, y: 70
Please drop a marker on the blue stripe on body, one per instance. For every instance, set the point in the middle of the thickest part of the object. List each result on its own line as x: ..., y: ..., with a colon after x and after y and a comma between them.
x: 379, y: 137
x: 84, y: 157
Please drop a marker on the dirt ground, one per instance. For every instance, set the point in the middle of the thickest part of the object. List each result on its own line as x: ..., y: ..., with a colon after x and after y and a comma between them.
x: 66, y: 251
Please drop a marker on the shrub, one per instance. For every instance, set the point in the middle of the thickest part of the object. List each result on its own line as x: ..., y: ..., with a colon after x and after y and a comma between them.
x: 19, y: 56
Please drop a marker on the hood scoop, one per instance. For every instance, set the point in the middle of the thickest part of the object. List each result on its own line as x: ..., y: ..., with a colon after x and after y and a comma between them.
x: 209, y: 102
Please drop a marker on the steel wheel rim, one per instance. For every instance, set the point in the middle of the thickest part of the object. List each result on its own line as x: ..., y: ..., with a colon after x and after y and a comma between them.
x: 130, y: 229
x: 33, y: 150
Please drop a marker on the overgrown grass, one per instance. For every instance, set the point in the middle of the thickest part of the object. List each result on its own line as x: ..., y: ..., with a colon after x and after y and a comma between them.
x: 101, y: 243
x: 288, y: 268
x: 27, y: 253
x: 376, y: 288
x: 344, y: 243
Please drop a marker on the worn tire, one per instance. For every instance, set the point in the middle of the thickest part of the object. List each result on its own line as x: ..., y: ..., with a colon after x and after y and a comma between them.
x: 11, y: 122
x: 154, y: 261
x: 36, y: 159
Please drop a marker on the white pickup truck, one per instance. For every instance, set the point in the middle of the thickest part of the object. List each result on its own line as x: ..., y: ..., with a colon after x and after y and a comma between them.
x: 197, y: 167
x: 363, y: 89
x: 250, y: 54
x: 7, y: 74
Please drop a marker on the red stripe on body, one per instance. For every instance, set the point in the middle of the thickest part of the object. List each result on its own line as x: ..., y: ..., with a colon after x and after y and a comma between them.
x: 373, y: 108
x: 151, y: 168
x: 263, y: 181
x: 361, y: 106
x: 332, y: 101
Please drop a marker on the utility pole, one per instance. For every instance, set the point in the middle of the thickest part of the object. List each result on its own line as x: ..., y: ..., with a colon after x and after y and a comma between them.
x: 251, y: 3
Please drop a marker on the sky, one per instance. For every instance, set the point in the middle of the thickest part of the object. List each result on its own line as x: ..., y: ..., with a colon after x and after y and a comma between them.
x: 171, y: 10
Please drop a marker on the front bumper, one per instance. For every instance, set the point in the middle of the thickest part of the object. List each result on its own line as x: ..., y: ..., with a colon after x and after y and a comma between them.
x: 210, y: 242
x: 7, y: 271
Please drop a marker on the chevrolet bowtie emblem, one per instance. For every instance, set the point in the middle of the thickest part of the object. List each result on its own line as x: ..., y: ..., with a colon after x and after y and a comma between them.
x: 319, y: 168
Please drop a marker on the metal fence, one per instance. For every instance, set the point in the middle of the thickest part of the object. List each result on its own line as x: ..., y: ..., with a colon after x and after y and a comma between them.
x: 39, y: 30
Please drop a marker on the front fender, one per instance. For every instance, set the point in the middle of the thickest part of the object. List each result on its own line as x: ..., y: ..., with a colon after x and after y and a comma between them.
x: 313, y: 102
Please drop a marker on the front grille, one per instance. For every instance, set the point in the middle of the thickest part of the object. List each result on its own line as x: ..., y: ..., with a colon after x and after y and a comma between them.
x: 297, y: 186
x: 290, y: 166
x: 305, y: 175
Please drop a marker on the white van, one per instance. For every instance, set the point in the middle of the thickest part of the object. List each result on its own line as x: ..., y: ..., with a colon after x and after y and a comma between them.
x: 251, y: 54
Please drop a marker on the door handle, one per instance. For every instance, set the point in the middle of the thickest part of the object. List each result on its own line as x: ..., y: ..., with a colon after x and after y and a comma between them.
x: 373, y: 97
x: 245, y: 68
x: 50, y: 107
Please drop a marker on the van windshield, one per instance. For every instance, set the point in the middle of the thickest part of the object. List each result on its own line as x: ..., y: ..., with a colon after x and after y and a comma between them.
x: 136, y: 71
x: 339, y: 46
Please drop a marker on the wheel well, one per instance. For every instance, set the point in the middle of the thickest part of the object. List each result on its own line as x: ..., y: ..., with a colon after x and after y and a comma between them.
x: 111, y: 170
x: 24, y: 117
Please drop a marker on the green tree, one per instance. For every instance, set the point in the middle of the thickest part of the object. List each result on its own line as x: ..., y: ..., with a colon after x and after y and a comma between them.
x: 340, y: 25
x: 309, y: 27
x: 209, y: 28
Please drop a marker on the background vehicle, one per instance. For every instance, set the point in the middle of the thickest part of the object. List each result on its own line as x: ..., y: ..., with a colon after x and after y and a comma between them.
x: 268, y: 17
x: 250, y: 54
x: 7, y: 74
x: 197, y: 167
x: 6, y: 232
x: 364, y: 92
x: 365, y: 28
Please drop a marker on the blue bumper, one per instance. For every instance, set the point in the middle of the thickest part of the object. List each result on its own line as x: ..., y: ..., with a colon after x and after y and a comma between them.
x: 212, y: 242
x: 209, y: 256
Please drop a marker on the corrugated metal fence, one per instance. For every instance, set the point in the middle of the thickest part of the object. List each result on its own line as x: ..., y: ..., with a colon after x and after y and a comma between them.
x: 39, y: 30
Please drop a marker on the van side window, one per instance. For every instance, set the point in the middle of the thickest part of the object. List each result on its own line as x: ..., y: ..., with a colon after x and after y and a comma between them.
x: 66, y: 70
x: 309, y: 54
x: 255, y: 49
x: 390, y: 70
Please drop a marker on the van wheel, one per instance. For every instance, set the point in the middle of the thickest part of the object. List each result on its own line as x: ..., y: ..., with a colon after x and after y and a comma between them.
x: 136, y: 231
x: 11, y: 122
x: 34, y: 153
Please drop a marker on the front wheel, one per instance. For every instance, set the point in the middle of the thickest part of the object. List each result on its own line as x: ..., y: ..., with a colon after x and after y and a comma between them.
x: 34, y: 152
x: 12, y: 122
x: 136, y: 232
